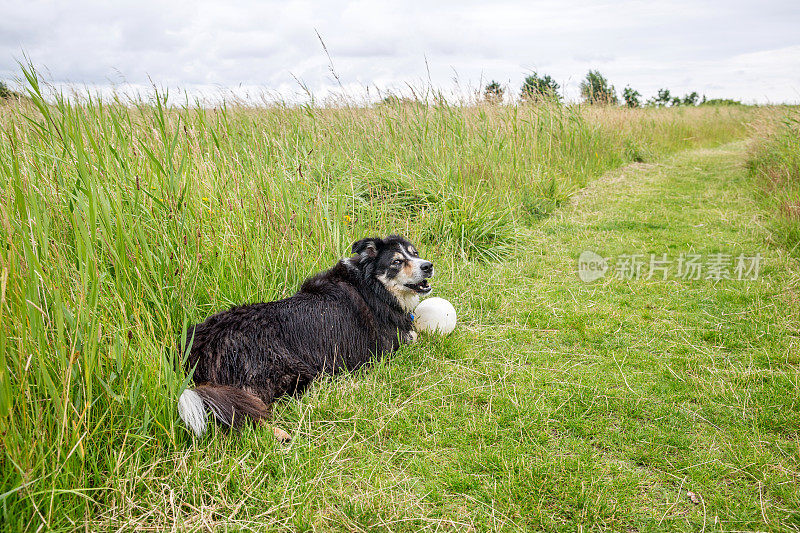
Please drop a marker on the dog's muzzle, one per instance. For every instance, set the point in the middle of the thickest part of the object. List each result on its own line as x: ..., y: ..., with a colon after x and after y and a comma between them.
x: 423, y: 287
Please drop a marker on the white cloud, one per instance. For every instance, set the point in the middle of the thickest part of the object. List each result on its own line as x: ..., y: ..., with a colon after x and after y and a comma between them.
x: 733, y: 49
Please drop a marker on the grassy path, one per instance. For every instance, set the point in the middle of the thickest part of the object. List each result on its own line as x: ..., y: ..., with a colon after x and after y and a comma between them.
x: 624, y: 394
x: 557, y: 404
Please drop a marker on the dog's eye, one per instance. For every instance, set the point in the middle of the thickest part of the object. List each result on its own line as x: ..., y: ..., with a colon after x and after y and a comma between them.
x: 397, y: 261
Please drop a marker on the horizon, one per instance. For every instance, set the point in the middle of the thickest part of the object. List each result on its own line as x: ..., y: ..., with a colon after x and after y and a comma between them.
x: 292, y: 50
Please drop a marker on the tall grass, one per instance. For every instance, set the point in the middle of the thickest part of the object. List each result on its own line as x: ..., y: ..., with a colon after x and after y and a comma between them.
x: 123, y: 222
x: 775, y: 164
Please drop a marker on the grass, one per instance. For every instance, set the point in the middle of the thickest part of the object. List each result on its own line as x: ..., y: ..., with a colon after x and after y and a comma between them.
x: 774, y: 162
x: 554, y: 405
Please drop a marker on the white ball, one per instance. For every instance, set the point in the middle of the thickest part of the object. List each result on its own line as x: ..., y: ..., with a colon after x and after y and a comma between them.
x: 435, y: 315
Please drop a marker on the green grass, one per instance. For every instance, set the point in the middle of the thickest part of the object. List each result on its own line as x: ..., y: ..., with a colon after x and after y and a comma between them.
x: 554, y: 405
x: 774, y: 162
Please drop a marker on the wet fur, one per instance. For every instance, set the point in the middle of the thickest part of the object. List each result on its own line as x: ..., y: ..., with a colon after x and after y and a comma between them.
x: 341, y: 319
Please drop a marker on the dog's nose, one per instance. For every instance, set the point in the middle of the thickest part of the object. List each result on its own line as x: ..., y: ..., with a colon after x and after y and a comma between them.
x: 427, y: 268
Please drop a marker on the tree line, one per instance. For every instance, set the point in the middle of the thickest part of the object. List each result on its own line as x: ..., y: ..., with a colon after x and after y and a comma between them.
x: 6, y: 92
x: 596, y: 90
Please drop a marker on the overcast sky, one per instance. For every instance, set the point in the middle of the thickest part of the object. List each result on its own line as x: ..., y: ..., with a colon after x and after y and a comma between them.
x: 724, y: 49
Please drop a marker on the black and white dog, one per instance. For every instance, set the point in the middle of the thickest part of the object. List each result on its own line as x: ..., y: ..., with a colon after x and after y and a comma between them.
x: 341, y: 319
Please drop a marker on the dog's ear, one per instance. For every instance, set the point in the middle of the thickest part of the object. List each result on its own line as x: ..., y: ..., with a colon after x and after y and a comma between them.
x: 367, y: 246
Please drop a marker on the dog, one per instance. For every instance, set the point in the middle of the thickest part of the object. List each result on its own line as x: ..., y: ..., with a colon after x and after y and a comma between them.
x: 344, y: 318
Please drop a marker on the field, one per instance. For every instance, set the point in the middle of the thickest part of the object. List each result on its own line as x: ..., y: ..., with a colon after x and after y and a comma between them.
x: 623, y: 404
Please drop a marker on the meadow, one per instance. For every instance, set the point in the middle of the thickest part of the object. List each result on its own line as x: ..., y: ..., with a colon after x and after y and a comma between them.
x: 125, y: 221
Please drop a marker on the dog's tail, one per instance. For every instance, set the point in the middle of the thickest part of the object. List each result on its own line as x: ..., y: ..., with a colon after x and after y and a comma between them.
x: 230, y: 406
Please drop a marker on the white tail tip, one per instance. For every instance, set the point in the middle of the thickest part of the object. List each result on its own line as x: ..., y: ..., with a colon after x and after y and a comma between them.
x: 192, y: 411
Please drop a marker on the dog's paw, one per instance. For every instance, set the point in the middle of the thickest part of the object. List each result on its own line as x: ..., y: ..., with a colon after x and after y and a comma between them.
x: 281, y: 435
x: 411, y: 337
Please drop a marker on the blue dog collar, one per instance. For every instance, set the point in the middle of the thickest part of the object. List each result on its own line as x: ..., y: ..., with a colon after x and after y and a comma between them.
x: 411, y: 316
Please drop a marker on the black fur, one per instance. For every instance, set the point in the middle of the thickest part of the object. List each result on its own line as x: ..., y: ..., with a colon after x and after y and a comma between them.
x: 341, y: 319
x: 231, y: 406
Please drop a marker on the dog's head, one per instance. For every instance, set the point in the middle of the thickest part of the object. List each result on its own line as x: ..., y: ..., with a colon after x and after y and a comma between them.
x: 396, y: 264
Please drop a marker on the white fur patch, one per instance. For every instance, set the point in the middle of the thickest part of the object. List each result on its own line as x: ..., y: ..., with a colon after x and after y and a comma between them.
x: 192, y: 411
x: 408, y: 299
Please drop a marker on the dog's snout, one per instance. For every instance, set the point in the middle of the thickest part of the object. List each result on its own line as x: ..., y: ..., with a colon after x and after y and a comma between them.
x: 427, y: 268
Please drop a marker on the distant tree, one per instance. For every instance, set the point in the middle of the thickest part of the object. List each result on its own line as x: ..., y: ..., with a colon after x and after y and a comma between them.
x: 720, y: 101
x: 536, y: 88
x: 493, y: 92
x: 632, y: 97
x: 691, y: 99
x: 595, y: 89
x: 5, y: 92
x: 662, y: 99
x: 395, y: 100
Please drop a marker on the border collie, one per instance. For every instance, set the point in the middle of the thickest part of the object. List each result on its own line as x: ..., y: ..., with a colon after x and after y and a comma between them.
x: 341, y: 319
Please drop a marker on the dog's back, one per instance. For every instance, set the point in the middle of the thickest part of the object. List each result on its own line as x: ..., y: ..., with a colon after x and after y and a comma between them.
x: 326, y: 327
